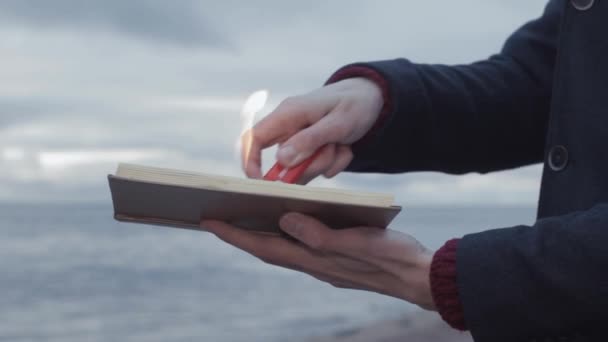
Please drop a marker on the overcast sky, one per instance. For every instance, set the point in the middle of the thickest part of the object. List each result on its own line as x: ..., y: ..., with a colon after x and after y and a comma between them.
x: 85, y: 84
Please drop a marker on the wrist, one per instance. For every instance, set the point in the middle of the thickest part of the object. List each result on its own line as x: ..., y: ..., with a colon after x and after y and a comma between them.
x: 375, y: 92
x: 422, y: 289
x: 380, y: 84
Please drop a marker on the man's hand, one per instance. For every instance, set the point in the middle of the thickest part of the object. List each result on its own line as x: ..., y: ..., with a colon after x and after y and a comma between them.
x: 334, y: 116
x: 363, y: 258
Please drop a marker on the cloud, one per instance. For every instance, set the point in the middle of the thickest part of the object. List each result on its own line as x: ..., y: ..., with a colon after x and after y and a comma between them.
x: 174, y: 22
x: 76, y: 79
x: 14, y: 109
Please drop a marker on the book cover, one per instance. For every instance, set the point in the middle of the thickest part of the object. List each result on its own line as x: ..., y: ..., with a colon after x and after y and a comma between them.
x: 182, y: 199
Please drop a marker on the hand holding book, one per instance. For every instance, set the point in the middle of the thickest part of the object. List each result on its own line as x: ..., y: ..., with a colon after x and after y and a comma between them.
x: 362, y: 258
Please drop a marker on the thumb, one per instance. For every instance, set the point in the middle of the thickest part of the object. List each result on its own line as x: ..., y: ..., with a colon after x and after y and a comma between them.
x: 305, y: 229
x: 307, y: 141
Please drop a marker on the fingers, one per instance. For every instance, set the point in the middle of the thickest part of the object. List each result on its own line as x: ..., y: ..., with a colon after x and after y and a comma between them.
x: 321, y: 163
x: 332, y: 160
x: 306, y: 229
x: 252, y: 243
x: 339, y: 113
x: 317, y: 235
x: 365, y: 244
x: 330, y: 129
x: 291, y: 116
x: 273, y: 250
x: 344, y: 155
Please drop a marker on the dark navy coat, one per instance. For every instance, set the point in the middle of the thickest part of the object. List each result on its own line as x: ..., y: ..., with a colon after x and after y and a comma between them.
x: 543, y: 98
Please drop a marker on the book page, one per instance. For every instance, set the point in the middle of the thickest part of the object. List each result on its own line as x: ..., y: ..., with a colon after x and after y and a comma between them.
x: 251, y: 186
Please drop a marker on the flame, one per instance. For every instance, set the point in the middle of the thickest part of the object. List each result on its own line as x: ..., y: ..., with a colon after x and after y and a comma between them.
x: 254, y: 103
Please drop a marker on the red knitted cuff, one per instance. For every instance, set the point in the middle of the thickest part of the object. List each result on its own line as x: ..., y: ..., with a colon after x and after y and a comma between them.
x: 379, y: 80
x: 444, y: 286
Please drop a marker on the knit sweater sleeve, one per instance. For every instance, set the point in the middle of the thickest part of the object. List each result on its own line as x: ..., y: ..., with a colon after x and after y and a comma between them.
x: 444, y: 285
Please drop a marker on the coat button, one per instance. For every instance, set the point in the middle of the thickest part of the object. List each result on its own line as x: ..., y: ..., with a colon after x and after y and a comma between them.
x: 558, y: 158
x: 582, y: 5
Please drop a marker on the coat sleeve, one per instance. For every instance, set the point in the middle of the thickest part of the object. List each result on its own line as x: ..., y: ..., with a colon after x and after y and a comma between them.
x: 527, y: 282
x: 481, y: 117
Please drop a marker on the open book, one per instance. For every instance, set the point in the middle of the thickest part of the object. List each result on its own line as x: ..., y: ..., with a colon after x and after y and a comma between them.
x: 181, y: 199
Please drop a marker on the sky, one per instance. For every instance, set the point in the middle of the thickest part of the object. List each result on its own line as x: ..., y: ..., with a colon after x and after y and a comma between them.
x: 86, y: 84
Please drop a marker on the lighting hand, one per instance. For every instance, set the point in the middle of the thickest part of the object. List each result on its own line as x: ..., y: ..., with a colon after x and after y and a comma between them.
x: 333, y: 116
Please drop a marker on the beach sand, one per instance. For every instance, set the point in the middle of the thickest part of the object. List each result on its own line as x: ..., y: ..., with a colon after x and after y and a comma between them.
x: 418, y: 326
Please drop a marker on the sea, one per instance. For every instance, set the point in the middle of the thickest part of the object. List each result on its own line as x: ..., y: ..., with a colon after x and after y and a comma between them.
x: 69, y: 272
